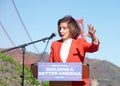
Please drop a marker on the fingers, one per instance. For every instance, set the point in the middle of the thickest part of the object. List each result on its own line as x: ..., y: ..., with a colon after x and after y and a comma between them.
x: 90, y: 26
x: 91, y: 30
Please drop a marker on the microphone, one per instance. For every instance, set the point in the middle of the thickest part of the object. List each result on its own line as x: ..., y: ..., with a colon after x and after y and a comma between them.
x: 52, y: 35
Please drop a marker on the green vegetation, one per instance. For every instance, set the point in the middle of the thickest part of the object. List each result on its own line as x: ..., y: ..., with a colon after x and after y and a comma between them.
x: 10, y: 72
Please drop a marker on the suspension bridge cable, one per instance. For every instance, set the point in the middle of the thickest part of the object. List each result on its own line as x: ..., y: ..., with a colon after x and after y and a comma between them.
x: 7, y: 35
x: 24, y: 25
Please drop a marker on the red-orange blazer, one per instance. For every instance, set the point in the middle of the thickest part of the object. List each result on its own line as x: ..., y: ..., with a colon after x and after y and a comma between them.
x: 76, y: 54
x: 77, y: 50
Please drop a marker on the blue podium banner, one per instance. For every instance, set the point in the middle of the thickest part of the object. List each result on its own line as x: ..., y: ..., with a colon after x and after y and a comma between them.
x: 71, y: 71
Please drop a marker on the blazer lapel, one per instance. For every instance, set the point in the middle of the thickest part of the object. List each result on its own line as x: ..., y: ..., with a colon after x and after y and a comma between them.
x: 59, y: 49
x: 72, y: 47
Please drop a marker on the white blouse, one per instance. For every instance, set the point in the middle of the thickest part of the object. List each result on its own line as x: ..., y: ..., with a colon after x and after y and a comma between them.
x: 65, y: 49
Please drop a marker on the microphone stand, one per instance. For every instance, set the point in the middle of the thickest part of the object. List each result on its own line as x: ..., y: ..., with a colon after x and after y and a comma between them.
x: 23, y: 46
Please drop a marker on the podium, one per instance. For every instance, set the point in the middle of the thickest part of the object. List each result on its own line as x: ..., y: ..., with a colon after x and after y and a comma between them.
x: 85, y: 76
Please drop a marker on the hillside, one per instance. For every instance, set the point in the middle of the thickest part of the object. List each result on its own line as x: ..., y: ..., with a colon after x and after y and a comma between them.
x: 10, y: 72
x: 30, y: 57
x: 106, y: 73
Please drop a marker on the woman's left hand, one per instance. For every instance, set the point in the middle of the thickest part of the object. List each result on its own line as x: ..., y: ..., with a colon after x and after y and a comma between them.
x: 91, y: 31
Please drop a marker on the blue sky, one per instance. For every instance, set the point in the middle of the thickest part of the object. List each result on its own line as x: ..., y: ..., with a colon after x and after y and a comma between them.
x: 40, y: 18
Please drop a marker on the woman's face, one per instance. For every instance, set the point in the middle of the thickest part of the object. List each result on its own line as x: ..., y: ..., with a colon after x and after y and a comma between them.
x: 64, y: 31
